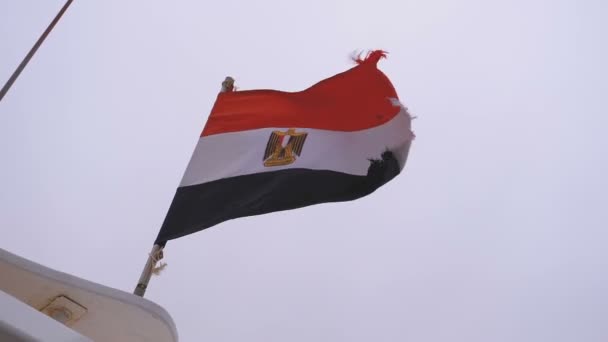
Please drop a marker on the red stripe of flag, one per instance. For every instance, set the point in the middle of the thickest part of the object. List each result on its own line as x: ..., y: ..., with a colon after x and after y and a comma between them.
x: 354, y: 100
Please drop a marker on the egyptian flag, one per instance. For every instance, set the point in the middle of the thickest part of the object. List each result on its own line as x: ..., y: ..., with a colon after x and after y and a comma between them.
x: 263, y: 151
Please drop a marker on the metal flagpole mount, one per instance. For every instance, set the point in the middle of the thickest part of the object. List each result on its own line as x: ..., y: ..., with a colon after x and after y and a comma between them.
x: 150, y: 268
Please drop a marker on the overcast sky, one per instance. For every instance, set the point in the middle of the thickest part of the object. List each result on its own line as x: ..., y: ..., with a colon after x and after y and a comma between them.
x: 496, y: 231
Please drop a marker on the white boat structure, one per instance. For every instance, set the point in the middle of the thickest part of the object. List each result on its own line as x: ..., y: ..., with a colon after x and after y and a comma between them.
x: 38, y: 303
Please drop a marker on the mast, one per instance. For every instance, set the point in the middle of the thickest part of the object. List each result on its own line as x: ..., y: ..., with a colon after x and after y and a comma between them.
x: 33, y: 50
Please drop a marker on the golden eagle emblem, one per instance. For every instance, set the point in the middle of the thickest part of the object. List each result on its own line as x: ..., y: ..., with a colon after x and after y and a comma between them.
x: 279, y: 153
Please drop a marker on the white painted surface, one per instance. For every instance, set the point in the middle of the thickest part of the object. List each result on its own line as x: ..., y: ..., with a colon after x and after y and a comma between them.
x: 112, y: 315
x: 20, y: 322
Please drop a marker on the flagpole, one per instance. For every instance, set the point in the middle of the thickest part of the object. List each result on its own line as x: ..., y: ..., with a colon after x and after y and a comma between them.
x: 33, y: 50
x: 156, y: 254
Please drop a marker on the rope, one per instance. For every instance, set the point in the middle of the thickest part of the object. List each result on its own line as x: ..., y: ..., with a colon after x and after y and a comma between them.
x: 156, y: 257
